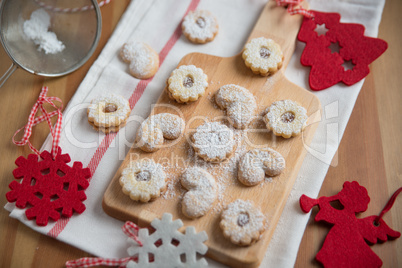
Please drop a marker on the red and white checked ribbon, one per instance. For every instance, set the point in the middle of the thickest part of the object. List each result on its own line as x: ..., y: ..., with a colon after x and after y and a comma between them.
x: 70, y: 10
x: 131, y: 230
x: 292, y: 10
x: 32, y: 121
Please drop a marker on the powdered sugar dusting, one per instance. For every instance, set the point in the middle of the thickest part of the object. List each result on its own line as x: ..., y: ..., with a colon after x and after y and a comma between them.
x: 213, y: 141
x: 225, y: 172
x: 142, y: 58
x: 178, y: 91
x: 201, y: 193
x: 200, y: 25
x: 257, y: 162
x: 140, y: 189
x: 242, y: 222
x: 98, y: 115
x: 36, y: 29
x: 267, y: 61
x: 279, y: 124
x: 239, y: 103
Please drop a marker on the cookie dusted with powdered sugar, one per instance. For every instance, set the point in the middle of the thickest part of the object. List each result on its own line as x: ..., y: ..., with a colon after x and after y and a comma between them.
x: 200, y: 26
x: 142, y: 59
x: 242, y: 223
x: 202, y: 192
x: 285, y: 118
x: 108, y: 112
x: 256, y: 163
x: 239, y: 103
x: 151, y: 134
x: 186, y: 83
x: 143, y: 180
x: 263, y: 56
x: 213, y: 142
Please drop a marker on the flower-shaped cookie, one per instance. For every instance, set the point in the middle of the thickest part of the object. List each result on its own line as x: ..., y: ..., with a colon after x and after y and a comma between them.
x: 200, y: 26
x: 108, y: 112
x: 213, y: 141
x: 285, y: 118
x: 187, y: 83
x: 143, y: 180
x: 263, y: 56
x: 242, y: 223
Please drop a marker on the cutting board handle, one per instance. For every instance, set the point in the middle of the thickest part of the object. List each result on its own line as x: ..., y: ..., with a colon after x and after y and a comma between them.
x: 276, y: 23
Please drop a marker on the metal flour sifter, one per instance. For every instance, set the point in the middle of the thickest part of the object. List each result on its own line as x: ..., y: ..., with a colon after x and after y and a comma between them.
x: 77, y: 24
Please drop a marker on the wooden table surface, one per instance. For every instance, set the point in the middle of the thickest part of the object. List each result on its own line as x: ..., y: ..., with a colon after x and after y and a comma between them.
x: 370, y: 150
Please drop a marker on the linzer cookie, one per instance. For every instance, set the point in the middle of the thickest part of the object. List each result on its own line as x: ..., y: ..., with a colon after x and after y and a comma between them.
x: 143, y: 180
x: 108, y: 113
x: 285, y: 118
x: 151, y: 134
x: 186, y: 83
x: 239, y: 103
x: 142, y: 59
x: 242, y: 223
x: 213, y: 142
x: 202, y: 192
x: 263, y: 56
x: 256, y: 163
x: 200, y: 26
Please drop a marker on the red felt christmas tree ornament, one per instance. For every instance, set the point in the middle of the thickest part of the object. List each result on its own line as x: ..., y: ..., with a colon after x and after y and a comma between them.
x: 346, y: 243
x: 47, y: 186
x: 337, y: 52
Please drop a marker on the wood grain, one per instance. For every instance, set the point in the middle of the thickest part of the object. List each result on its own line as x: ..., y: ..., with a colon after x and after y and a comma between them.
x: 222, y: 71
x: 370, y: 150
x: 22, y: 247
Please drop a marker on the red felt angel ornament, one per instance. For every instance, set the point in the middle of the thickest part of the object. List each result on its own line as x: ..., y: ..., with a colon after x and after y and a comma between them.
x: 345, y: 245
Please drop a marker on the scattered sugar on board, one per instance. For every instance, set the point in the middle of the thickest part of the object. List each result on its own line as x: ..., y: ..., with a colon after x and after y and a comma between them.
x: 225, y: 173
x: 211, y: 98
x: 266, y: 180
x: 36, y: 29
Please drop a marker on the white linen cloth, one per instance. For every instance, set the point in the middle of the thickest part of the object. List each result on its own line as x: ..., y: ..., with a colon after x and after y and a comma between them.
x: 153, y: 22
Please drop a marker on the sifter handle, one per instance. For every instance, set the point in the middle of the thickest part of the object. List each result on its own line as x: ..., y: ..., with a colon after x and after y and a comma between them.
x: 8, y: 73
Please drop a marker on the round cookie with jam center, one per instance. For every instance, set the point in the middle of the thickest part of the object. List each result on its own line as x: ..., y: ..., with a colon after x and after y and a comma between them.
x: 186, y: 83
x: 263, y: 56
x: 108, y: 112
x: 285, y: 118
x: 200, y: 26
x: 143, y: 180
x: 242, y: 223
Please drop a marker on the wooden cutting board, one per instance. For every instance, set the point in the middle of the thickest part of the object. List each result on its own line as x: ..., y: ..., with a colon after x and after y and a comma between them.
x: 272, y: 194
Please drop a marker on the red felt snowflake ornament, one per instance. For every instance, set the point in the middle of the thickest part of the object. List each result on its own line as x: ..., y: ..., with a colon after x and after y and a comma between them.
x: 327, y: 64
x: 345, y: 245
x: 49, y: 187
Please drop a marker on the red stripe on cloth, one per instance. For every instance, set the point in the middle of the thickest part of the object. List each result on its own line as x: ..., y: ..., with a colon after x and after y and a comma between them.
x: 100, y: 151
x: 135, y: 96
x: 58, y: 227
